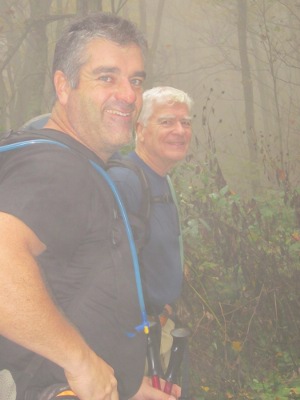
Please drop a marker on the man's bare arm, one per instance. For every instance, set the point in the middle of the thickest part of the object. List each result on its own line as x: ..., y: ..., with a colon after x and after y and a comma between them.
x: 30, y: 318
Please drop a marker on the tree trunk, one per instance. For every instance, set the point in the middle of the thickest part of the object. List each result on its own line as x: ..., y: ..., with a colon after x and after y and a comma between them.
x: 154, y: 44
x: 30, y: 84
x: 247, y: 89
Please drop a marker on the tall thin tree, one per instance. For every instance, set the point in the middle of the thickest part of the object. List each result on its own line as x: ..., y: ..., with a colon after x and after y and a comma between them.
x: 242, y: 23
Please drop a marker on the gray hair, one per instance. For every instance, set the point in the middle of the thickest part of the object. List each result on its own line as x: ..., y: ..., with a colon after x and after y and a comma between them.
x: 162, y: 95
x: 69, y: 55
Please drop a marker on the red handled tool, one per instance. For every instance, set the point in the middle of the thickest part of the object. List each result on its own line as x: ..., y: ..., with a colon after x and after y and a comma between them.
x: 153, y: 357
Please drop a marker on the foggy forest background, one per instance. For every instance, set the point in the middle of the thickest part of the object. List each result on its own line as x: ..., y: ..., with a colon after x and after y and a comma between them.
x: 238, y: 189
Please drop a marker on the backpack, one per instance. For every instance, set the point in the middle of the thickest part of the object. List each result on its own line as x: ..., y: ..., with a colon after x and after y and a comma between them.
x: 139, y: 221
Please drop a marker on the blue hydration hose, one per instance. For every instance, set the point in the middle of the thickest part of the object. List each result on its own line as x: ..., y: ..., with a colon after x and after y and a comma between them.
x: 144, y: 326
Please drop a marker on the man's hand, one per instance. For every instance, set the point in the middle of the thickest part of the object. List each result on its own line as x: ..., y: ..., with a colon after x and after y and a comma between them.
x: 95, y: 381
x: 148, y: 392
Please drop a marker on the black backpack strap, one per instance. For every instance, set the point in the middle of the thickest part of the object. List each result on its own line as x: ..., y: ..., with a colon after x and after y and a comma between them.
x: 6, y: 134
x: 14, y: 136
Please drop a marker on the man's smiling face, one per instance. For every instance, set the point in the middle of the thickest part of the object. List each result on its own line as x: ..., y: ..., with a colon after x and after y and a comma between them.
x: 104, y: 106
x: 166, y: 136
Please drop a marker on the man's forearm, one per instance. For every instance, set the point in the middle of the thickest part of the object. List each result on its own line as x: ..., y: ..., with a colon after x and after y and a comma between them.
x: 28, y: 314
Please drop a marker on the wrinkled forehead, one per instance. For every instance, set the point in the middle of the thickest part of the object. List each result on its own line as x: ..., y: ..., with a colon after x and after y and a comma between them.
x: 171, y: 109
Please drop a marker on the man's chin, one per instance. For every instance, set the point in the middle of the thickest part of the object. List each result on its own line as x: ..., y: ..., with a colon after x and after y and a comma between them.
x: 125, y: 140
x: 121, y: 143
x: 177, y: 156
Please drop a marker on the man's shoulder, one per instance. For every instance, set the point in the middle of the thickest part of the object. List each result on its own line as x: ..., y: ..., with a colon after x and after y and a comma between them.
x: 48, y: 157
x: 127, y: 171
x: 52, y: 138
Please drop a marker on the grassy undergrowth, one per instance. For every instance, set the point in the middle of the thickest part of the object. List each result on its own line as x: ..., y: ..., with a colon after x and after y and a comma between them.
x: 241, y: 295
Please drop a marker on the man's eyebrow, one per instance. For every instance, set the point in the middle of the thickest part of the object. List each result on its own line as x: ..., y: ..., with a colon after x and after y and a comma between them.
x: 188, y: 118
x: 102, y: 69
x: 171, y: 116
x: 116, y: 70
x: 141, y: 74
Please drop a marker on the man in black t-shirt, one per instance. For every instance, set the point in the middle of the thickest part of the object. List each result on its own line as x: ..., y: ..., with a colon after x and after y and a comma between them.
x: 68, y: 302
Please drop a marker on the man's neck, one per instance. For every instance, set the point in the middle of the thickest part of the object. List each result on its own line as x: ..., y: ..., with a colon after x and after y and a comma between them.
x: 58, y: 122
x: 160, y: 170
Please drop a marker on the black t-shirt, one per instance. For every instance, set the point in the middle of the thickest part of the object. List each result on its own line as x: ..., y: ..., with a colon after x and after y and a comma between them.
x: 87, y: 265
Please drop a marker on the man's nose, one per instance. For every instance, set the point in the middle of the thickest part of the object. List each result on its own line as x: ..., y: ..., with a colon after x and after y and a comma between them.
x: 179, y: 127
x: 126, y: 92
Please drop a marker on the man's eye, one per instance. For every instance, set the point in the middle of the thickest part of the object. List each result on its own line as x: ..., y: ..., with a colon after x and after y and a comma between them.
x: 166, y: 122
x: 137, y: 82
x: 105, y: 78
x: 186, y: 123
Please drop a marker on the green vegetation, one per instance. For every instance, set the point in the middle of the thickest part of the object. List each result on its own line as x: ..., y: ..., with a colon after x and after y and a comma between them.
x: 241, y: 294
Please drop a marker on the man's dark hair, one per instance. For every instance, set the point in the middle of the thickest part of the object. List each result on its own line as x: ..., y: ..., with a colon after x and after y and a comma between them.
x: 70, y: 55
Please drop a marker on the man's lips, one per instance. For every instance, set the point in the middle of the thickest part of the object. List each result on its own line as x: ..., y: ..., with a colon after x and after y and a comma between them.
x: 176, y: 143
x: 120, y: 113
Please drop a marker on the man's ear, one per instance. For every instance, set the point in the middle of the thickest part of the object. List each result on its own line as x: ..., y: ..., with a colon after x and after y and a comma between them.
x: 139, y: 131
x: 62, y: 87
